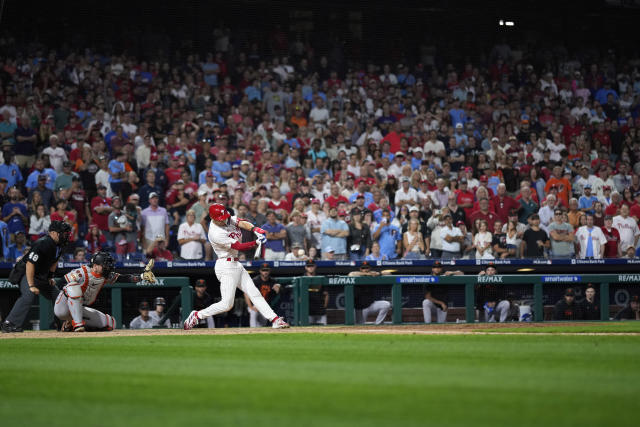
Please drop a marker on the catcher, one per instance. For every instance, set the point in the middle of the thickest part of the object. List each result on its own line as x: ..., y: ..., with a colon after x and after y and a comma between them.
x: 82, y: 288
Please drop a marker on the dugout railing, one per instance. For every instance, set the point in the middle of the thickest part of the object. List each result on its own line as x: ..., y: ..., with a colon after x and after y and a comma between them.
x: 186, y: 298
x: 301, y: 290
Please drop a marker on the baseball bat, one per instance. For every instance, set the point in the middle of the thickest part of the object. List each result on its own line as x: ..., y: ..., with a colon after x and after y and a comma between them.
x: 258, y: 251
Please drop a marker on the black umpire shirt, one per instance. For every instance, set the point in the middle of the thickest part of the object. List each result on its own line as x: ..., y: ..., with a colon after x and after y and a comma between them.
x: 43, y: 254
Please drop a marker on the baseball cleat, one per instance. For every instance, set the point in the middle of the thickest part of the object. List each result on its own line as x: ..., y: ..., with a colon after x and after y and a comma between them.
x: 8, y: 327
x: 79, y: 328
x: 191, y: 321
x: 279, y: 323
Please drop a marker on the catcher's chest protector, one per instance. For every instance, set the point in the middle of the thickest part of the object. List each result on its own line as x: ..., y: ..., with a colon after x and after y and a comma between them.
x: 90, y: 283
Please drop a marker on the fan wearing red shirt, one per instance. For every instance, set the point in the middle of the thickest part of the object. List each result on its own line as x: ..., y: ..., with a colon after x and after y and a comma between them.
x: 62, y: 214
x: 174, y: 171
x: 571, y: 129
x: 634, y: 211
x: 78, y: 201
x: 101, y: 208
x: 190, y: 187
x: 278, y: 201
x: 615, y: 205
x: 158, y: 250
x: 503, y: 203
x: 602, y: 135
x: 394, y: 137
x: 484, y: 213
x: 612, y: 246
x: 465, y: 199
x: 335, y: 197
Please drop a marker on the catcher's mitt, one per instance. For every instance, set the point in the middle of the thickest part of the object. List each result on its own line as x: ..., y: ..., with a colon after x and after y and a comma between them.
x: 147, y: 275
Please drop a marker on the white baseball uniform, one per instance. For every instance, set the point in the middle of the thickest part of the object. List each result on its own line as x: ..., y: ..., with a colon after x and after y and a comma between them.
x: 81, y: 290
x: 231, y: 273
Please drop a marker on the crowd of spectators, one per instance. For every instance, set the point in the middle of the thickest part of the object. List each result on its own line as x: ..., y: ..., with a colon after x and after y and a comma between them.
x: 505, y: 159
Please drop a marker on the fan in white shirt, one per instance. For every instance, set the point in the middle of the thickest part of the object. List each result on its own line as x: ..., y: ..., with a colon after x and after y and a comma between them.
x: 57, y: 155
x: 319, y: 113
x: 434, y: 146
x: 627, y: 227
x: 556, y: 146
x: 406, y: 195
x: 191, y: 237
x: 598, y: 240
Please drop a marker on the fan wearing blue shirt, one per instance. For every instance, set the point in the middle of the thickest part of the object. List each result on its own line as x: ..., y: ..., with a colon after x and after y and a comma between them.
x: 388, y: 236
x: 14, y: 213
x: 10, y: 171
x: 19, y: 248
x: 50, y: 174
x: 334, y: 234
x: 361, y: 190
x: 116, y: 172
x: 586, y: 201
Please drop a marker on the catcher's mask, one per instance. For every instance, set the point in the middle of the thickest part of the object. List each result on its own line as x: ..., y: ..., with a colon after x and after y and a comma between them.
x: 106, y: 261
x: 64, y: 232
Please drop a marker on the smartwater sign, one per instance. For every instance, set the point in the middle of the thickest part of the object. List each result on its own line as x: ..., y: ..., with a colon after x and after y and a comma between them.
x: 561, y: 279
x: 417, y: 279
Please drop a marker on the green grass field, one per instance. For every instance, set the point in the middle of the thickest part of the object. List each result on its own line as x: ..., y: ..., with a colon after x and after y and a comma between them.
x: 315, y: 379
x: 584, y: 327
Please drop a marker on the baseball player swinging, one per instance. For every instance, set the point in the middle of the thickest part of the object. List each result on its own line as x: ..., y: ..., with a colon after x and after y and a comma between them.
x: 82, y: 288
x: 225, y: 236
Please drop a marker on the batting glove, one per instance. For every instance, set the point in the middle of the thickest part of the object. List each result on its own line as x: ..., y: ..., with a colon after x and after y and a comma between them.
x: 259, y: 230
x: 261, y: 240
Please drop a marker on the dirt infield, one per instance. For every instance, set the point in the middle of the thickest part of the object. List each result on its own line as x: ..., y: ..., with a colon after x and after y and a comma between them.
x: 418, y: 329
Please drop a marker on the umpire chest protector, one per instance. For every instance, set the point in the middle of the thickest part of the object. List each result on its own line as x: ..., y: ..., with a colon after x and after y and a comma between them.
x: 43, y: 254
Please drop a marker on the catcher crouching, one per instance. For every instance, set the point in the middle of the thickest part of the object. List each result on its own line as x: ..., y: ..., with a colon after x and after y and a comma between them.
x: 82, y: 288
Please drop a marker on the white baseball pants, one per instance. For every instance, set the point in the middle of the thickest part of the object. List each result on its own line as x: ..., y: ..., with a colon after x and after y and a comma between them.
x: 429, y: 309
x: 379, y: 308
x: 500, y: 313
x: 72, y: 309
x: 231, y: 275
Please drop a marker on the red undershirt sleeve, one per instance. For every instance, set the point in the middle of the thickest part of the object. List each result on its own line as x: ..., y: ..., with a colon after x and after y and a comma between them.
x: 243, y: 246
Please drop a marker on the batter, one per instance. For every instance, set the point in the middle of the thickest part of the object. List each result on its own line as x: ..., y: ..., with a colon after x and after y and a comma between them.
x: 224, y: 235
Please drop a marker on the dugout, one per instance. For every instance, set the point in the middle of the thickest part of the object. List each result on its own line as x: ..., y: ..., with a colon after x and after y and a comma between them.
x: 543, y: 291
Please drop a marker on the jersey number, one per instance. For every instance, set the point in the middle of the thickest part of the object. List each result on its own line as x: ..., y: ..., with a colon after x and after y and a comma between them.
x: 33, y: 256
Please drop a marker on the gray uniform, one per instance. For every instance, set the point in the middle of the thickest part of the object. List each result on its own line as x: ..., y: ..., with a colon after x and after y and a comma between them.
x: 81, y: 290
x: 140, y: 323
x: 156, y: 319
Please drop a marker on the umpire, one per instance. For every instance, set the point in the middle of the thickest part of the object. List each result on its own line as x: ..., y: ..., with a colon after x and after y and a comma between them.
x: 34, y: 272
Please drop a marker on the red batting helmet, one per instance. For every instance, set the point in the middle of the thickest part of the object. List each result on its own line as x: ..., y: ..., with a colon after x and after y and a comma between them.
x: 218, y: 212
